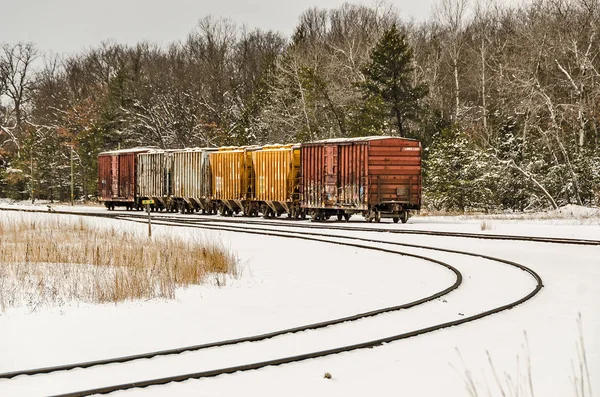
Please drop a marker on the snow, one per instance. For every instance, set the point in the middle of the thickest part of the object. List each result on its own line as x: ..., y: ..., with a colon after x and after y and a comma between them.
x: 279, y: 288
x: 574, y: 211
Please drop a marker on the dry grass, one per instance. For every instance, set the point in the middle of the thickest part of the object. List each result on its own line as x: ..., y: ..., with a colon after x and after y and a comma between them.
x: 520, y: 383
x: 486, y: 225
x: 580, y: 378
x: 50, y: 262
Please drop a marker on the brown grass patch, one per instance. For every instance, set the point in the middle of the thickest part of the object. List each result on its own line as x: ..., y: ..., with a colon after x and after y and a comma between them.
x: 50, y: 262
x: 486, y: 225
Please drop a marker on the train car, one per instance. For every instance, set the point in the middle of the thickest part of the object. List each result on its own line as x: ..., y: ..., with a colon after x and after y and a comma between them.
x: 232, y: 180
x: 277, y: 180
x: 192, y: 186
x: 117, y: 178
x: 155, y: 178
x: 378, y: 177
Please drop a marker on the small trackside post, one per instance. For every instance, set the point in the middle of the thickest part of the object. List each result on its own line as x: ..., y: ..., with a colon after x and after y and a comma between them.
x: 72, y: 179
x: 147, y: 204
x: 149, y: 221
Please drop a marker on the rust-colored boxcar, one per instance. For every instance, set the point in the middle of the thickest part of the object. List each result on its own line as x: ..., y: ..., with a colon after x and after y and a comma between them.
x: 233, y: 180
x: 379, y: 177
x: 192, y: 180
x: 117, y: 175
x: 155, y: 178
x: 277, y: 180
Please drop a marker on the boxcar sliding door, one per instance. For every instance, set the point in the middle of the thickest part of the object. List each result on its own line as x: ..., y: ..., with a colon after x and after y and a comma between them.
x: 331, y: 177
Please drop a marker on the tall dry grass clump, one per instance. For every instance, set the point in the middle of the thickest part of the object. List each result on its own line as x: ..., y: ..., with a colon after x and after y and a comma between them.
x: 486, y: 225
x: 50, y: 262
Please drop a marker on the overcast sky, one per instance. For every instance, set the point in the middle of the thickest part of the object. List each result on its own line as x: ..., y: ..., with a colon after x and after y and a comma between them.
x: 67, y: 26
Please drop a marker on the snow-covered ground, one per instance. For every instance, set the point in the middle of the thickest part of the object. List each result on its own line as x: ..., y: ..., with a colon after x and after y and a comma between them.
x: 287, y: 282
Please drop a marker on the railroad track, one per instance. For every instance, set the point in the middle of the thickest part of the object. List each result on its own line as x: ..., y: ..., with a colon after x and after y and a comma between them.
x: 290, y: 223
x: 332, y: 226
x: 310, y: 236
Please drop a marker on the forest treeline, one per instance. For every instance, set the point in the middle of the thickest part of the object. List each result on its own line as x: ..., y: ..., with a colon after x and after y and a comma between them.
x: 505, y: 99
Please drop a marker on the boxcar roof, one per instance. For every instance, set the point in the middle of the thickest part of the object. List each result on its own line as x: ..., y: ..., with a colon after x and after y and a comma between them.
x: 238, y: 148
x: 358, y: 139
x: 184, y: 150
x: 279, y: 146
x: 131, y: 150
x: 198, y: 149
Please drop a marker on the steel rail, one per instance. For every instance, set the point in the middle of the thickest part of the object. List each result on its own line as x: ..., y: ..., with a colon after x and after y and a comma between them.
x: 322, y: 353
x: 260, y: 337
x: 321, y: 225
x: 325, y: 225
x: 184, y: 223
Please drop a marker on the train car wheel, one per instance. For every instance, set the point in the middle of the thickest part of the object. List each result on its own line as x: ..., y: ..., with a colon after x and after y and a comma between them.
x: 315, y: 216
x: 404, y: 216
x: 339, y: 217
x: 377, y: 217
x: 347, y: 217
x: 395, y: 219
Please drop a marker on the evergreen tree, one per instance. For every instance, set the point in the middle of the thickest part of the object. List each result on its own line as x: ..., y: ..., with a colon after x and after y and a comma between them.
x: 457, y: 175
x: 389, y: 75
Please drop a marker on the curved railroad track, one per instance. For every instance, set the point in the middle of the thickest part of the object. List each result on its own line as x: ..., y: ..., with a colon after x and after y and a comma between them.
x: 239, y: 220
x: 256, y: 338
x: 336, y: 226
x: 313, y: 236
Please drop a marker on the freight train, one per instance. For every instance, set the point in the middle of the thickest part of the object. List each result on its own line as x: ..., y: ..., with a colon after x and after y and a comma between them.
x: 377, y: 177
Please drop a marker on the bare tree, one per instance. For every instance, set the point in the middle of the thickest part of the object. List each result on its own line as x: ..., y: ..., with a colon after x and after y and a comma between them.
x: 451, y: 14
x: 15, y: 71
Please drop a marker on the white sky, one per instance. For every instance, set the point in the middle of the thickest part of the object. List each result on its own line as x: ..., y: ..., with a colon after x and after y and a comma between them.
x: 68, y: 26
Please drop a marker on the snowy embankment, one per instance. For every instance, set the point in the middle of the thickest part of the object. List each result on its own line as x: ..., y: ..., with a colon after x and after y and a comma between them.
x: 279, y: 288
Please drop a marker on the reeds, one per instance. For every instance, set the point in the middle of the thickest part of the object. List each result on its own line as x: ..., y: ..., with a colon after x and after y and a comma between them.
x: 520, y: 383
x: 486, y: 225
x: 51, y: 262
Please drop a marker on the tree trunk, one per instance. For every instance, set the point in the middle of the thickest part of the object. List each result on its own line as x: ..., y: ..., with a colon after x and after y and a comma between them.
x: 532, y: 179
x: 457, y: 87
x: 399, y: 122
x: 483, y: 93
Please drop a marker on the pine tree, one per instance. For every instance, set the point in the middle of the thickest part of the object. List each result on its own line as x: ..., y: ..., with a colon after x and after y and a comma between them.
x: 389, y: 76
x: 457, y: 175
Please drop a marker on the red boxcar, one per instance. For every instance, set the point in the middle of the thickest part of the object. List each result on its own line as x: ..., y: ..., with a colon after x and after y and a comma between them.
x: 379, y: 177
x: 117, y: 175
